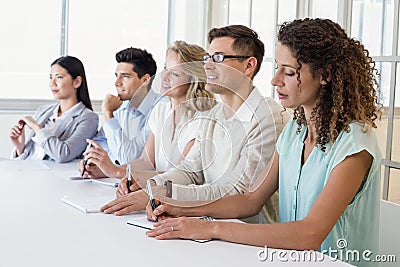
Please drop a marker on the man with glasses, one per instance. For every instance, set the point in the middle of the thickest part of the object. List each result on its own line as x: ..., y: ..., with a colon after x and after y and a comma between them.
x: 238, y: 135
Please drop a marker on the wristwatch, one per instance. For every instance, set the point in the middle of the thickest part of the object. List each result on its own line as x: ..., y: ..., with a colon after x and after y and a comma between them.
x: 168, y: 184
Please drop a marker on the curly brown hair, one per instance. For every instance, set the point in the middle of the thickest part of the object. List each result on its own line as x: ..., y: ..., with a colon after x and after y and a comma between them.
x: 350, y: 92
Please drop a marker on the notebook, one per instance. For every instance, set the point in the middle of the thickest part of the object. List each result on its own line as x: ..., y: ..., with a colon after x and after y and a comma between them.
x: 104, y: 181
x: 142, y: 222
x: 87, y: 204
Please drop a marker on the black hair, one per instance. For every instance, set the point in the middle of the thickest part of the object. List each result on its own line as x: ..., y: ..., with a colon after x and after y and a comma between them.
x: 75, y: 68
x: 142, y: 61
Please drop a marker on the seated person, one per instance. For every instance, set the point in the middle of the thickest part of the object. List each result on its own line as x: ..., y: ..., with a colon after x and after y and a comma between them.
x: 237, y: 137
x: 124, y: 132
x: 172, y: 123
x: 327, y: 159
x: 58, y: 131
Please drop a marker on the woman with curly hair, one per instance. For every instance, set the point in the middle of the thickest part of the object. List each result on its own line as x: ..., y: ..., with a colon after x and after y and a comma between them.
x: 327, y: 160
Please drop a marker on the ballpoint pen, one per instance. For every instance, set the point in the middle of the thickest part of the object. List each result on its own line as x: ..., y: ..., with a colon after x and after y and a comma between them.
x: 150, y: 193
x: 129, y: 177
x: 85, y: 161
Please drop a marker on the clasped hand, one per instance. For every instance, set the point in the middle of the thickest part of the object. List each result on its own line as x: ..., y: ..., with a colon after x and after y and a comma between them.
x: 17, y: 134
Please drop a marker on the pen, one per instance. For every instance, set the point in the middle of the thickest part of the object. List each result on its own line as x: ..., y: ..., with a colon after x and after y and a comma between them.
x: 128, y: 176
x: 85, y: 161
x: 150, y: 192
x: 21, y: 123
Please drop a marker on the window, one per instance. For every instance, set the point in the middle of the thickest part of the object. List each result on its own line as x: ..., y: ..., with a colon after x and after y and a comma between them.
x: 325, y: 9
x: 113, y: 26
x: 183, y: 11
x: 96, y: 32
x: 262, y: 16
x: 378, y: 35
x: 30, y: 43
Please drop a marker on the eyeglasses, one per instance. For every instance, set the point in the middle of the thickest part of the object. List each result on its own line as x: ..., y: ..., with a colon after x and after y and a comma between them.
x: 218, y: 58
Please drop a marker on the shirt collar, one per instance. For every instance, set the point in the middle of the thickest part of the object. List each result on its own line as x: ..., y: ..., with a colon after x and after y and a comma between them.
x: 124, y: 105
x: 246, y: 111
x: 54, y: 114
x: 147, y: 104
x: 75, y: 109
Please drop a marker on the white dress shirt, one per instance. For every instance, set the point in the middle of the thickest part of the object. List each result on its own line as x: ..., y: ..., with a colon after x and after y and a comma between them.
x: 229, y: 154
x: 125, y: 135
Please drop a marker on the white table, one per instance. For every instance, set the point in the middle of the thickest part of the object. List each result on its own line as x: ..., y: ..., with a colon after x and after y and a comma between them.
x: 38, y: 229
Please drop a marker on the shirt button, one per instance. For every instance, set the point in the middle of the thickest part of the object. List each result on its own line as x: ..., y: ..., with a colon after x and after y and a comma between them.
x: 295, y: 188
x: 294, y: 207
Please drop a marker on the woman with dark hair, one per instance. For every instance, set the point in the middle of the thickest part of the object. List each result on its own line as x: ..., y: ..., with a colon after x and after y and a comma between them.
x: 327, y: 159
x: 59, y: 131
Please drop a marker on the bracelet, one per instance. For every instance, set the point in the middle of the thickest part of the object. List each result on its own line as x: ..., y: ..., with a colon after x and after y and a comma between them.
x: 168, y: 184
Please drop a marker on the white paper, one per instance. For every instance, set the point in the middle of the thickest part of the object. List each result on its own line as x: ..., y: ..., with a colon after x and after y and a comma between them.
x: 107, y: 181
x: 142, y: 222
x: 87, y: 204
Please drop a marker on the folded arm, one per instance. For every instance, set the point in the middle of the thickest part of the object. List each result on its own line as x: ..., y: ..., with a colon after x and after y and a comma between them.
x: 68, y: 149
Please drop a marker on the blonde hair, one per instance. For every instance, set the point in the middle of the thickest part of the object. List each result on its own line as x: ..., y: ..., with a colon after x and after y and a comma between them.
x: 191, y: 58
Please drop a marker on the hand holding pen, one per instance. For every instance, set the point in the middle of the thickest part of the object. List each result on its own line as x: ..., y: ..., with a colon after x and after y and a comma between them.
x: 151, y: 197
x: 128, y: 177
x: 128, y: 184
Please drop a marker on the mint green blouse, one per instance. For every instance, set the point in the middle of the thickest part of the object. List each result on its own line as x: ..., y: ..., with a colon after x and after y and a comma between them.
x: 299, y: 186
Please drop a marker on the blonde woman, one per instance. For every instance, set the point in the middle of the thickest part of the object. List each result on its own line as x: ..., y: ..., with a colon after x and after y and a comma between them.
x: 172, y: 123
